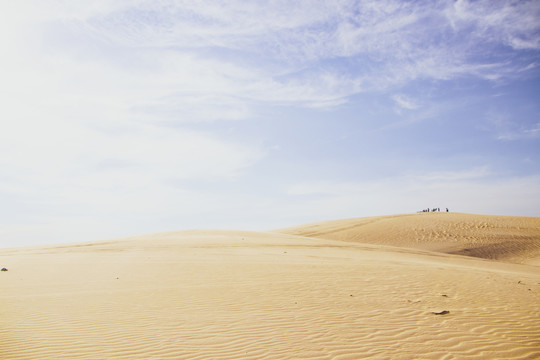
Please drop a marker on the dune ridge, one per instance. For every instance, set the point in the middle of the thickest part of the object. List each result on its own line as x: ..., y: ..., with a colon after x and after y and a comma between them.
x: 268, y: 295
x: 505, y: 238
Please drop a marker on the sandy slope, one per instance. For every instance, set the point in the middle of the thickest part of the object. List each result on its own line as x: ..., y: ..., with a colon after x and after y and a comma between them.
x: 248, y: 295
x: 506, y: 238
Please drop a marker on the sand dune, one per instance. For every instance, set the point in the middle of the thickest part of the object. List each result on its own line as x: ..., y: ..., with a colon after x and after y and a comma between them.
x: 506, y: 238
x: 254, y: 295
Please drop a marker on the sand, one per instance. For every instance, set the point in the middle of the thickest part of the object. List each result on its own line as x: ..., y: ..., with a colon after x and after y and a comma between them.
x: 506, y: 238
x: 339, y: 293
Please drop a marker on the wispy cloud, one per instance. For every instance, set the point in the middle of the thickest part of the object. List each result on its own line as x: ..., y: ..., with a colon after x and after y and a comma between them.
x: 506, y: 126
x: 422, y: 180
x: 405, y: 102
x: 387, y: 43
x: 511, y: 23
x: 521, y: 133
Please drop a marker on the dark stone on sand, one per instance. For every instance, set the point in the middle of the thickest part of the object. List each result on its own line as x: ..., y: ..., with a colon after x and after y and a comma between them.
x: 444, y: 312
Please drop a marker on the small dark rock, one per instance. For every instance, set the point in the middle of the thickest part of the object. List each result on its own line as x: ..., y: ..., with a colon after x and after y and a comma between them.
x: 444, y: 312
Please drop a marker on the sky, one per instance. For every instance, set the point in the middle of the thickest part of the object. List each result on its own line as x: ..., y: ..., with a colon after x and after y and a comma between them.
x: 120, y: 118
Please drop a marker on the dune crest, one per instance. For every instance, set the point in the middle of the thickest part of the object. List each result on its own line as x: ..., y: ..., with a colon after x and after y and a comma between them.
x: 264, y: 295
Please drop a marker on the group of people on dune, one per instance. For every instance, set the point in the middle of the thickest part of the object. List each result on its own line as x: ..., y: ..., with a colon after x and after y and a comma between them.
x: 433, y: 210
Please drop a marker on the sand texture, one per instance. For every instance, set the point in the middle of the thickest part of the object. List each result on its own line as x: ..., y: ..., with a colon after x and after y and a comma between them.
x: 372, y: 288
x: 506, y: 238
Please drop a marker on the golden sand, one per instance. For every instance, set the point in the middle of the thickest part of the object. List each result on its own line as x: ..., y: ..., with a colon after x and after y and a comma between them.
x: 371, y: 288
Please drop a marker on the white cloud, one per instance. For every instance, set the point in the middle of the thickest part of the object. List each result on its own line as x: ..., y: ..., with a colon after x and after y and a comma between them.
x: 66, y: 182
x: 58, y: 153
x: 504, y: 125
x: 406, y: 180
x: 520, y: 133
x: 405, y: 102
x: 207, y: 56
x: 514, y: 24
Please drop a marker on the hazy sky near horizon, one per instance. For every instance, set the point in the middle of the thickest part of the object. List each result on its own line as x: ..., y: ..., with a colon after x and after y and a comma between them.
x: 129, y: 117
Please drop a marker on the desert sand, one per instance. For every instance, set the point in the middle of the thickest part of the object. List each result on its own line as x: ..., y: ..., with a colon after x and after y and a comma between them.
x: 412, y: 286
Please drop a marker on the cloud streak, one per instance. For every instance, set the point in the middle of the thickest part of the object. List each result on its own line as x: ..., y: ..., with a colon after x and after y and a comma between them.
x: 386, y: 43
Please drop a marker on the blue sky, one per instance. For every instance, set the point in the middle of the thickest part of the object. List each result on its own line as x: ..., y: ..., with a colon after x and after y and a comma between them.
x: 129, y: 117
